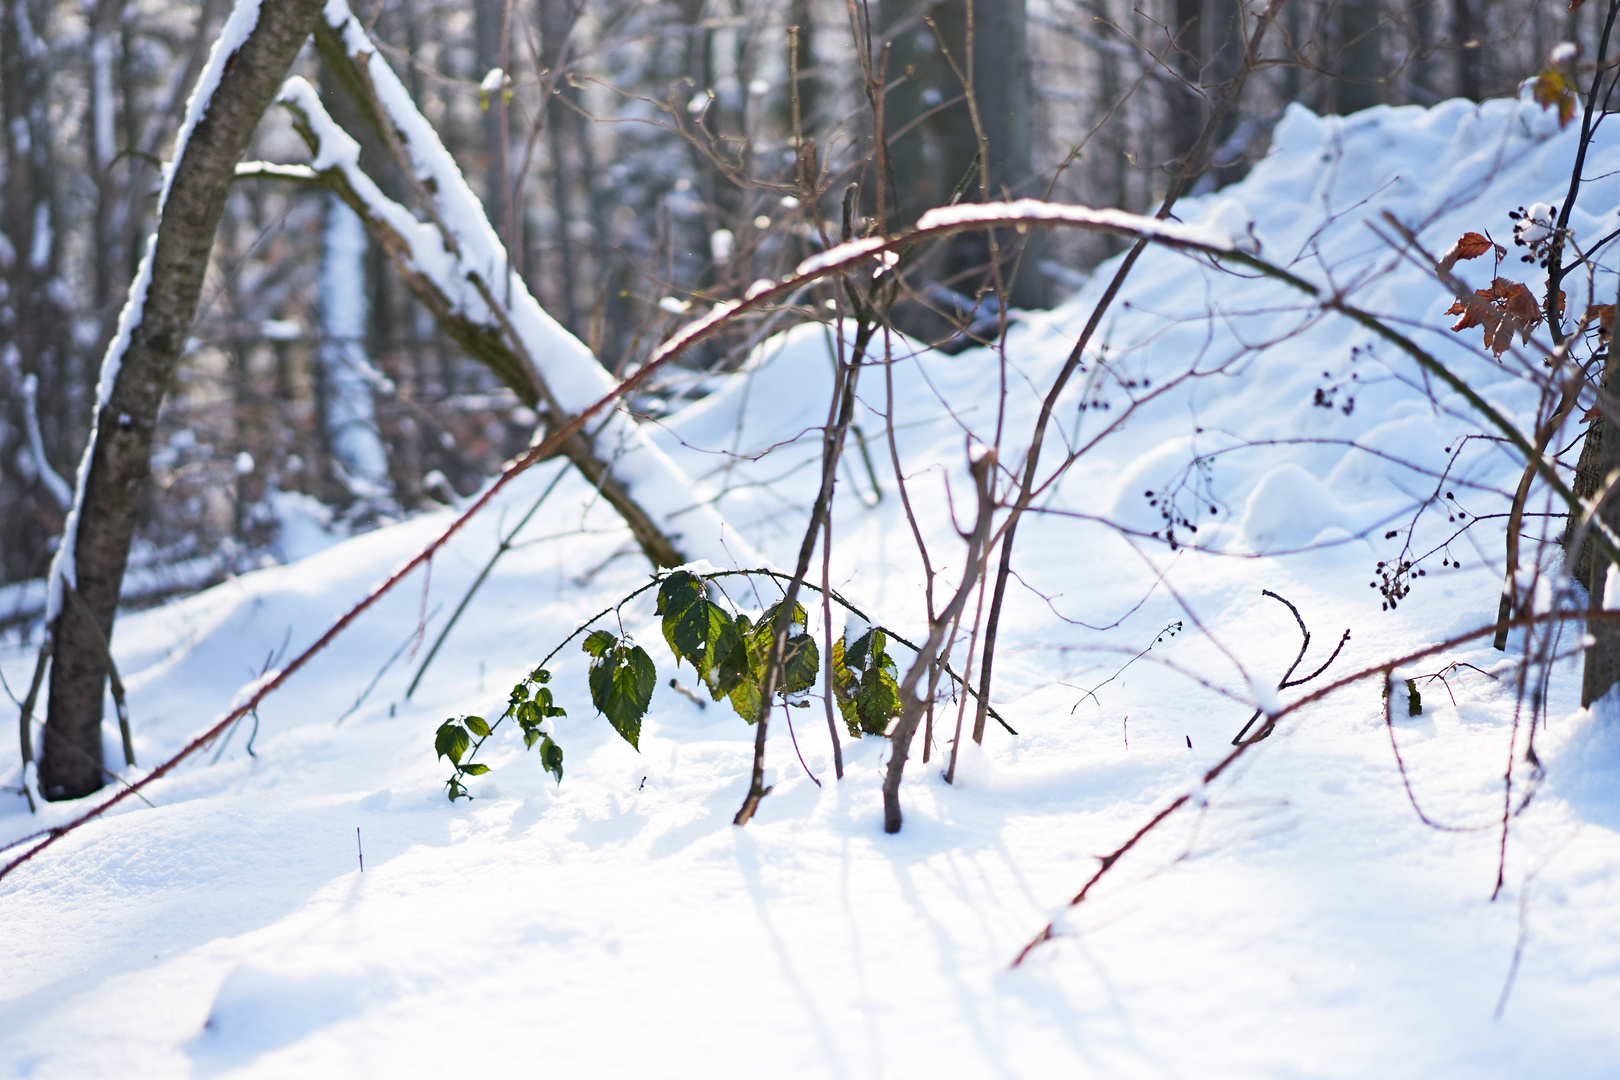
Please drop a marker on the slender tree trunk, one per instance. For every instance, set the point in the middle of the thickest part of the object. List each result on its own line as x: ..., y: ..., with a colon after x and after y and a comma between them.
x: 34, y: 334
x: 563, y: 131
x: 1602, y: 667
x: 137, y: 370
x: 487, y: 18
x: 1361, y: 56
x: 349, y: 414
x: 1224, y: 40
x: 997, y: 60
x: 1187, y: 120
x: 1465, y: 31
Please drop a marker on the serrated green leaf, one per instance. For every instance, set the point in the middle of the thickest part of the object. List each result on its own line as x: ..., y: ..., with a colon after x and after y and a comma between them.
x: 801, y: 663
x: 745, y: 698
x: 878, y: 701
x: 703, y: 635
x: 527, y: 713
x: 542, y: 698
x: 451, y: 741
x: 475, y: 769
x: 520, y: 692
x: 679, y: 592
x: 532, y: 736
x: 622, y: 683
x: 476, y: 725
x: 742, y: 662
x: 767, y: 621
x: 598, y: 642
x: 845, y: 685
x: 551, y: 758
x: 540, y: 675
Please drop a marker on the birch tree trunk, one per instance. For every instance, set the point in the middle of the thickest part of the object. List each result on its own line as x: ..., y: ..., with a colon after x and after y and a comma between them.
x: 246, y: 68
x: 348, y: 411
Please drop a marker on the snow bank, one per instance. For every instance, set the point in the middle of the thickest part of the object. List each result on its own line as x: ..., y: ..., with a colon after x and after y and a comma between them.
x: 1296, y: 920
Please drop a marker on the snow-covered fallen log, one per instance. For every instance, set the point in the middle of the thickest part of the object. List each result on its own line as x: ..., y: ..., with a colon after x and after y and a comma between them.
x: 456, y: 265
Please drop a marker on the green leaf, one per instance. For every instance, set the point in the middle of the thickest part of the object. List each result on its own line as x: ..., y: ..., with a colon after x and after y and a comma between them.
x: 746, y: 699
x: 451, y: 741
x: 704, y: 635
x: 540, y: 675
x: 551, y: 758
x: 855, y: 653
x: 845, y: 685
x: 477, y: 726
x: 598, y: 642
x: 767, y: 621
x: 520, y: 692
x: 679, y: 592
x: 527, y: 713
x: 622, y: 683
x: 475, y: 769
x: 532, y: 736
x: 742, y: 662
x: 801, y: 663
x: 878, y: 701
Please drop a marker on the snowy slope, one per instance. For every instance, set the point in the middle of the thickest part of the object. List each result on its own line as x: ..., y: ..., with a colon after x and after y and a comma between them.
x: 1299, y: 922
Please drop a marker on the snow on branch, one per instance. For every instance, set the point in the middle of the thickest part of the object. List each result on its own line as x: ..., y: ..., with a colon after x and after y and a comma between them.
x: 468, y: 265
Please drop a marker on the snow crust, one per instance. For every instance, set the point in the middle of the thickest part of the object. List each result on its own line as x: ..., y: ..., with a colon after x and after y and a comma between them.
x: 1296, y: 920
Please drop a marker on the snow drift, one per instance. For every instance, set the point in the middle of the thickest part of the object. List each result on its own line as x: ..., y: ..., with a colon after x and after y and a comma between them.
x: 1299, y: 921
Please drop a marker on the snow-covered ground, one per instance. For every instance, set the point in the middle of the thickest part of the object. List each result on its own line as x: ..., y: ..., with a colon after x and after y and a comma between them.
x: 1298, y: 920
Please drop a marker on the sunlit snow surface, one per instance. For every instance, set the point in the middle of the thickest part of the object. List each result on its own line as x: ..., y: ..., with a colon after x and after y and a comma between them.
x: 1302, y: 923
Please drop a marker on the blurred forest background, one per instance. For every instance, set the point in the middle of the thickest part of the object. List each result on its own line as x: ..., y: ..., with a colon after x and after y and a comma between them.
x: 641, y: 159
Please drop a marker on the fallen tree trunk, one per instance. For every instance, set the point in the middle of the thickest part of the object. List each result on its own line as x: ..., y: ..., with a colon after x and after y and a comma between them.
x: 485, y: 306
x: 248, y: 65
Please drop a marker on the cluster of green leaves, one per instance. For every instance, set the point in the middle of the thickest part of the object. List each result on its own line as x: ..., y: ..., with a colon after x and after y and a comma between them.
x: 622, y: 680
x: 530, y: 704
x: 729, y: 653
x: 864, y: 684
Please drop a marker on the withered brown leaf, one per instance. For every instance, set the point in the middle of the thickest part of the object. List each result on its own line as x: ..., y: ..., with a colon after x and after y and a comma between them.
x: 1472, y: 246
x: 1554, y: 88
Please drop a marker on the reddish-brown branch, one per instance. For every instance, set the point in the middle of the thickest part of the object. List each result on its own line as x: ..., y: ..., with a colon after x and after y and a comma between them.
x: 1107, y: 862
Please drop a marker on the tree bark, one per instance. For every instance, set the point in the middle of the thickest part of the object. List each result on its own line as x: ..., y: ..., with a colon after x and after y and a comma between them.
x: 34, y: 329
x: 96, y: 548
x: 1361, y: 56
x: 1602, y: 661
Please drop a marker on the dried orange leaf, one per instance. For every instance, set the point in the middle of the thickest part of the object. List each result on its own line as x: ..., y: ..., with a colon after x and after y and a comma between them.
x: 1555, y: 89
x: 1575, y: 5
x: 1603, y: 314
x: 1472, y: 246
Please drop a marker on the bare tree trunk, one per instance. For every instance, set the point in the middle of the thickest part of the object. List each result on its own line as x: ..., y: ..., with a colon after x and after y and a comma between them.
x: 487, y: 19
x: 1465, y: 32
x: 1361, y: 56
x: 34, y: 337
x: 1602, y: 666
x: 163, y: 302
x: 933, y: 97
x: 563, y: 131
x: 348, y: 417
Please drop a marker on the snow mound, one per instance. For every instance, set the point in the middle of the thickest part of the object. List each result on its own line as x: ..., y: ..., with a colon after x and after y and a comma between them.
x: 1295, y: 919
